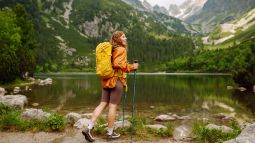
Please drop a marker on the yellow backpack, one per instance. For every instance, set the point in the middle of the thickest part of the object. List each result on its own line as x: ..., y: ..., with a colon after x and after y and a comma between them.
x: 103, y: 60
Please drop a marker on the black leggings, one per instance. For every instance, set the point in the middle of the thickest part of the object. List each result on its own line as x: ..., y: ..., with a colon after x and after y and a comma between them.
x: 113, y: 95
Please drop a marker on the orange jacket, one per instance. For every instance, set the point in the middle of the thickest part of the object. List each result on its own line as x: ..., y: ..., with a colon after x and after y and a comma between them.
x: 121, y: 67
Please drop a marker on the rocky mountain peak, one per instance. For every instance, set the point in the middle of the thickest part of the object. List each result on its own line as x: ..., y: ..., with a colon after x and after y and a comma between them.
x: 186, y: 9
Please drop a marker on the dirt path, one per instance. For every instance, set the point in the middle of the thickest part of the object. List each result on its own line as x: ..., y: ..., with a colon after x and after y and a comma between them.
x: 69, y: 136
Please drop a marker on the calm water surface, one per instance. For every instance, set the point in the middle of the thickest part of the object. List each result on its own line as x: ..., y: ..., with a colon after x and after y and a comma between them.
x: 200, y: 95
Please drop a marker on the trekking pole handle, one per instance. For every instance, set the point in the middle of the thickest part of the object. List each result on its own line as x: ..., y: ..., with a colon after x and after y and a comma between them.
x: 135, y: 61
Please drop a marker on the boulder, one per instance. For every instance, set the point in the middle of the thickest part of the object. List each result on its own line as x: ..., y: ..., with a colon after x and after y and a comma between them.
x: 246, y: 136
x: 152, y: 107
x: 225, y: 117
x: 230, y: 87
x: 205, y: 105
x: 72, y: 117
x: 242, y: 88
x: 17, y: 101
x: 86, y: 115
x: 224, y: 106
x: 156, y: 126
x: 223, y: 128
x: 16, y: 90
x: 181, y: 117
x: 182, y: 132
x: 35, y: 114
x: 35, y: 104
x: 2, y: 91
x: 31, y: 78
x: 164, y: 118
x: 45, y: 82
x: 82, y: 123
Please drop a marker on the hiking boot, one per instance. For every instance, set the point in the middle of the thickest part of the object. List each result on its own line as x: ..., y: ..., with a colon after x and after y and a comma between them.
x: 113, y: 136
x: 87, y: 134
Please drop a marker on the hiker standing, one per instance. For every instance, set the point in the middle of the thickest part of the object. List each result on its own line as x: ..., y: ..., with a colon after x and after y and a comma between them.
x: 112, y: 87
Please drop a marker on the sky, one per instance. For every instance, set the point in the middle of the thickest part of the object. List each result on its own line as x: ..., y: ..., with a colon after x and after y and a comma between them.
x: 165, y: 3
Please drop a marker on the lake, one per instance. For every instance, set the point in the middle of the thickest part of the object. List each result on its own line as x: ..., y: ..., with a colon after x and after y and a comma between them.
x: 196, y: 95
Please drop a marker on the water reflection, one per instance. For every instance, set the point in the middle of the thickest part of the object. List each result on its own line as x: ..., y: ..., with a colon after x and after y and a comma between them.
x: 182, y: 94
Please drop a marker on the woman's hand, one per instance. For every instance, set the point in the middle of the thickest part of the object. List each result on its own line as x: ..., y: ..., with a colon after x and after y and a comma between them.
x: 136, y: 66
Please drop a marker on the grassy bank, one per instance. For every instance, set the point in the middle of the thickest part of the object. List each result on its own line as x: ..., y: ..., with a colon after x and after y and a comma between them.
x: 201, y: 134
x: 10, y: 120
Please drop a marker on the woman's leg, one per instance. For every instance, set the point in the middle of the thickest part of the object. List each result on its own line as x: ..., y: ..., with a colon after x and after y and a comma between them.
x: 98, y: 111
x: 103, y: 104
x: 111, y: 114
x: 105, y: 98
x: 115, y: 98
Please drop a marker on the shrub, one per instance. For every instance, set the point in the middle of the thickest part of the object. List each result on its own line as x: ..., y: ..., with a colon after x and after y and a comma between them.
x: 56, y: 122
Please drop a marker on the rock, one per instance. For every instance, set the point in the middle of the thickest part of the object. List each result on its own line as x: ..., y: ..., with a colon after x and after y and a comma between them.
x: 224, y: 106
x: 223, y: 128
x: 16, y: 90
x: 31, y: 78
x: 35, y: 104
x: 184, y: 118
x: 2, y: 91
x: 48, y: 81
x: 86, y: 115
x: 246, y: 136
x: 230, y: 87
x: 45, y: 82
x: 72, y: 117
x: 164, y: 118
x: 35, y: 114
x: 242, y: 88
x: 81, y: 123
x: 17, y: 101
x: 205, y: 105
x: 156, y: 126
x: 119, y: 124
x: 225, y: 117
x: 182, y: 132
x: 152, y: 107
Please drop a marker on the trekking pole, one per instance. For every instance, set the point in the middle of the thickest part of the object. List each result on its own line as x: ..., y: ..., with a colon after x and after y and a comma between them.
x: 133, y: 99
x: 124, y: 106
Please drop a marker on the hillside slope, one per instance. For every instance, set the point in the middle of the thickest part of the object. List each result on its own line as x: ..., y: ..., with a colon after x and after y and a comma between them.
x: 69, y: 30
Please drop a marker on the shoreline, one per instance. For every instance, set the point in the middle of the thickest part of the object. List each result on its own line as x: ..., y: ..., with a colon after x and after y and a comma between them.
x: 138, y: 73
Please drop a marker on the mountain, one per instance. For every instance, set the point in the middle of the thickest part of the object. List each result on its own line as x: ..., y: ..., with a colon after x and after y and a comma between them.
x: 160, y: 9
x: 69, y: 30
x: 186, y: 9
x: 233, y: 29
x: 215, y: 12
x: 161, y: 15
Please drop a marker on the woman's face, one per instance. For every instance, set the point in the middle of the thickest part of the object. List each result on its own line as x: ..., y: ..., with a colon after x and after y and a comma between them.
x: 123, y: 39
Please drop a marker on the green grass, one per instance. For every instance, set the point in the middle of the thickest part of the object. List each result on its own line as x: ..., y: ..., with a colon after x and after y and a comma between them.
x: 10, y: 120
x: 202, y: 134
x: 139, y: 132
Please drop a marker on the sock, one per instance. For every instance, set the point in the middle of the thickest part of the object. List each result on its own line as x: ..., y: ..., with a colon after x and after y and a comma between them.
x: 110, y: 131
x: 91, y: 125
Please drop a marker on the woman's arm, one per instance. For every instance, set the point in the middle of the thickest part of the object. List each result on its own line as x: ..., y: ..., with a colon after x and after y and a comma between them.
x: 119, y: 60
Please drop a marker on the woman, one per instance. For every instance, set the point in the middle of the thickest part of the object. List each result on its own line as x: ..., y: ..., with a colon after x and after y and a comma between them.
x: 113, y: 87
